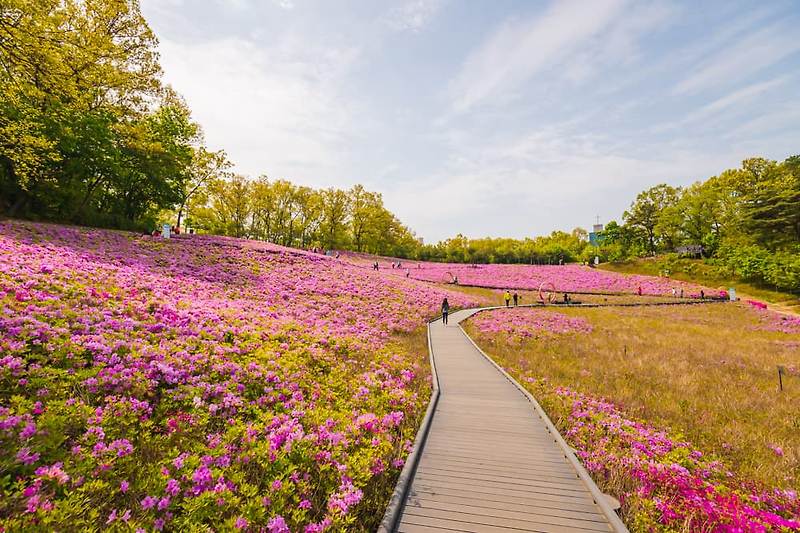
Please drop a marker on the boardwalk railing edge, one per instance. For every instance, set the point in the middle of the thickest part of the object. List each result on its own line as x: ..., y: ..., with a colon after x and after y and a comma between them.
x: 614, y: 520
x: 397, y: 501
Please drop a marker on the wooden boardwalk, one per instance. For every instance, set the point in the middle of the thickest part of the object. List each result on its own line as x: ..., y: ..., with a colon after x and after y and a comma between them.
x: 490, y: 463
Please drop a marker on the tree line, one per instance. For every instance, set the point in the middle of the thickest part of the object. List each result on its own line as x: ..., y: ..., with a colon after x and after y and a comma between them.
x: 745, y: 220
x: 284, y: 213
x: 88, y: 132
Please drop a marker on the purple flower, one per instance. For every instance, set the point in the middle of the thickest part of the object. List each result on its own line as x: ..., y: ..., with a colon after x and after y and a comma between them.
x: 173, y: 487
x: 26, y: 457
x: 28, y: 431
x: 277, y: 525
x: 149, y: 502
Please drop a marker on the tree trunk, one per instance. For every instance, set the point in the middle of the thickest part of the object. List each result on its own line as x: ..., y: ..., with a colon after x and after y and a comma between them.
x: 20, y: 202
x: 180, y: 213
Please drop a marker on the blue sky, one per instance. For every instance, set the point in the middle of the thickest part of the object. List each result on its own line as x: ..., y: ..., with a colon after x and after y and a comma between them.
x: 488, y: 117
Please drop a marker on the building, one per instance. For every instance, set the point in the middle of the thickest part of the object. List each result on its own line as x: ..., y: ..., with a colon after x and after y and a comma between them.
x: 595, y: 237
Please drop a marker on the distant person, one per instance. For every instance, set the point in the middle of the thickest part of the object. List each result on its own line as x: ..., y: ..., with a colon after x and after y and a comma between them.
x: 408, y: 272
x: 445, y: 310
x: 507, y: 298
x: 639, y: 290
x: 566, y: 297
x: 455, y: 280
x: 156, y: 232
x: 674, y: 292
x: 338, y: 255
x: 681, y: 292
x: 702, y: 294
x: 516, y: 299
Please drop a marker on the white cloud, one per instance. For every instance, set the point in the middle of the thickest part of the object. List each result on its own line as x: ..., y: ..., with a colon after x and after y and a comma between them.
x: 725, y: 108
x: 275, y: 110
x: 736, y: 61
x: 521, y: 49
x: 413, y: 15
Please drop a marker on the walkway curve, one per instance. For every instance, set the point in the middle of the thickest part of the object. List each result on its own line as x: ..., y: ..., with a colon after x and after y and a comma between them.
x: 487, y: 459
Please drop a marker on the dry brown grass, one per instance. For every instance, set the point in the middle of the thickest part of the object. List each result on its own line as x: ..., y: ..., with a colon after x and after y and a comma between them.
x: 702, y: 370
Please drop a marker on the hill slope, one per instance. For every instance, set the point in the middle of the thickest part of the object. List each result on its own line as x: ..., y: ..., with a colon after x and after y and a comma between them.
x: 200, y: 380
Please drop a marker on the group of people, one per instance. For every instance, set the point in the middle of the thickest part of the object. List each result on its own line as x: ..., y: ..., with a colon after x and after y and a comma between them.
x: 316, y: 250
x: 508, y: 297
x: 173, y: 230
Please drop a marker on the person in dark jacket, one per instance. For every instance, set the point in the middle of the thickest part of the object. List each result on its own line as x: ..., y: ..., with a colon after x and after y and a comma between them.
x: 445, y: 310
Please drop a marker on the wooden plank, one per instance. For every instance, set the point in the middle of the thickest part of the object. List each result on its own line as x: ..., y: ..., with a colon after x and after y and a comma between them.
x: 536, y: 500
x: 505, y: 505
x: 542, y: 493
x: 505, y: 517
x: 472, y: 524
x: 519, y: 485
x: 500, y: 475
x: 491, y: 462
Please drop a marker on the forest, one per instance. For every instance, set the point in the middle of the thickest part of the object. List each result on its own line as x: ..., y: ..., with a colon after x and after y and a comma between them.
x: 90, y: 135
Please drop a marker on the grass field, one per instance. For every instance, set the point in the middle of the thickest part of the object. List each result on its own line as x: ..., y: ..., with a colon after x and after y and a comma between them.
x: 707, y: 374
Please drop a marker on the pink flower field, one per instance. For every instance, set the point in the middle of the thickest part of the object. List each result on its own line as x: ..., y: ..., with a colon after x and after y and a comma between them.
x: 772, y: 321
x: 667, y: 484
x: 571, y: 278
x: 524, y: 323
x: 150, y: 384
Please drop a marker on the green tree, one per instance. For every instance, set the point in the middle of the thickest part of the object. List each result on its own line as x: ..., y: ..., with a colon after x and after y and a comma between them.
x: 645, y: 212
x: 334, y: 218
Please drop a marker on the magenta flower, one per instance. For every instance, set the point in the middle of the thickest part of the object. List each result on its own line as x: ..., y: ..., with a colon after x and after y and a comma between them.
x: 26, y: 457
x: 277, y: 525
x: 148, y: 502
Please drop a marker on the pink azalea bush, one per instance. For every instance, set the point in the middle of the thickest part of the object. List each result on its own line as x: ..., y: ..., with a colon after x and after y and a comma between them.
x: 773, y: 321
x: 571, y: 278
x: 150, y: 384
x: 663, y: 483
x: 521, y: 323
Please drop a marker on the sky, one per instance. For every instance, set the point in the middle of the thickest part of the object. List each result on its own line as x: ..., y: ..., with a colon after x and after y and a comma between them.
x: 488, y: 117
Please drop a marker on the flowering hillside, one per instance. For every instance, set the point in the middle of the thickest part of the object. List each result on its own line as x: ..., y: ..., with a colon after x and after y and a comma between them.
x: 149, y: 384
x: 571, y: 278
x: 521, y: 323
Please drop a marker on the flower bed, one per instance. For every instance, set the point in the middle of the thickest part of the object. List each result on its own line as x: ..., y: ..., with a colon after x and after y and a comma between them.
x: 571, y: 278
x: 663, y: 483
x: 525, y: 322
x: 773, y: 321
x: 148, y: 383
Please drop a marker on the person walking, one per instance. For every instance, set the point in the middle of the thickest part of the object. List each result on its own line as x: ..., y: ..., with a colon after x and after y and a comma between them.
x: 640, y: 290
x: 507, y: 297
x: 516, y: 299
x: 445, y: 310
